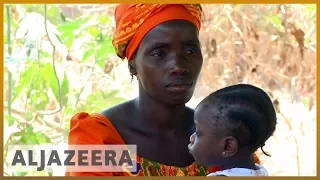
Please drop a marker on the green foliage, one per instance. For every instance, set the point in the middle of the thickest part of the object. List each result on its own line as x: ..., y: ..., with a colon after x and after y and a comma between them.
x: 42, y: 83
x: 310, y: 10
x: 29, y: 136
x: 10, y: 119
x: 276, y: 22
x: 106, y: 99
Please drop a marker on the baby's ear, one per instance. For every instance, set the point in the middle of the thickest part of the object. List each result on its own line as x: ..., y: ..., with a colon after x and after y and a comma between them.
x: 230, y: 147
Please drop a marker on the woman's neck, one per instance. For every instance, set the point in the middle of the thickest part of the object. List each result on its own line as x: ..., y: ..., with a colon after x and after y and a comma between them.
x: 159, y: 116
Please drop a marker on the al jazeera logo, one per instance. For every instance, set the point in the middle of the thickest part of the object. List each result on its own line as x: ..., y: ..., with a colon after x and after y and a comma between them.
x: 74, y: 158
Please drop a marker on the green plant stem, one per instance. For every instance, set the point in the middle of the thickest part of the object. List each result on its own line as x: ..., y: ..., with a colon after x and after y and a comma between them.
x: 54, y: 66
x: 10, y: 84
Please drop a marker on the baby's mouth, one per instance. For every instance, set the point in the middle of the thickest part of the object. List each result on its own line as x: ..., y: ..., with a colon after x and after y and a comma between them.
x: 189, y: 147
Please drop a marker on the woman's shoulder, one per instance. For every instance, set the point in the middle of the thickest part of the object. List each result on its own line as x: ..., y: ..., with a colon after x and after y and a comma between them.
x: 115, y: 113
x: 98, y: 128
x: 85, y: 118
x: 92, y: 128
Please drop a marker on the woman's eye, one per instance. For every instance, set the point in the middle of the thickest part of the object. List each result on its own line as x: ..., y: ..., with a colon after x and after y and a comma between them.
x: 157, y: 54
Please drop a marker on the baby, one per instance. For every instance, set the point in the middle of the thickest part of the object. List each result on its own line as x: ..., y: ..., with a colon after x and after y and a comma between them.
x: 231, y: 124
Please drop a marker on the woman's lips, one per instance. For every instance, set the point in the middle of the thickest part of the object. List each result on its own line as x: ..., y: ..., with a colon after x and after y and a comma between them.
x: 179, y: 87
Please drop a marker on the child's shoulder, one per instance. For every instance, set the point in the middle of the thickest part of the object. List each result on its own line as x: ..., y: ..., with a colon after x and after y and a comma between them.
x: 260, y: 171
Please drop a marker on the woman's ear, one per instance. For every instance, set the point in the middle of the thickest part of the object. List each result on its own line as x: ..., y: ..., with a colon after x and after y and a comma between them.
x: 230, y: 147
x: 132, y: 67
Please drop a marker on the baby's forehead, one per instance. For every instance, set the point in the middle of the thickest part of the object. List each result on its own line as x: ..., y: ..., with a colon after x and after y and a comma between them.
x: 208, y: 112
x: 207, y: 108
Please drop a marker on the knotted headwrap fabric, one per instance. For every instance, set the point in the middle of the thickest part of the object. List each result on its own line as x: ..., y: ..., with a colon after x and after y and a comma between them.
x: 134, y: 21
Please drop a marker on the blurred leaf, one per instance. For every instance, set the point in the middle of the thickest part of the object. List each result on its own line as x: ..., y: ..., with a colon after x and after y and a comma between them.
x: 53, y: 11
x: 87, y: 54
x: 311, y: 8
x: 68, y: 35
x: 68, y: 110
x: 112, y: 101
x: 63, y: 17
x: 39, y: 99
x: 90, y: 45
x: 5, y: 38
x: 14, y: 24
x: 5, y: 32
x: 85, y: 19
x: 30, y: 7
x: 99, y: 38
x: 305, y: 101
x: 24, y: 81
x: 109, y: 94
x: 28, y: 116
x: 68, y: 27
x: 93, y: 31
x: 107, y: 45
x: 107, y: 99
x: 104, y: 49
x: 30, y: 137
x: 68, y: 40
x: 65, y: 90
x: 42, y: 138
x: 73, y: 27
x: 37, y: 173
x: 44, y: 54
x: 19, y: 173
x: 5, y: 17
x: 236, y: 6
x: 10, y: 119
x: 275, y: 20
x: 67, y: 113
x: 48, y: 73
x: 17, y: 134
x: 104, y: 19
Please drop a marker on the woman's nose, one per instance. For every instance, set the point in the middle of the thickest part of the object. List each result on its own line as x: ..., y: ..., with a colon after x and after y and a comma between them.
x: 178, y: 67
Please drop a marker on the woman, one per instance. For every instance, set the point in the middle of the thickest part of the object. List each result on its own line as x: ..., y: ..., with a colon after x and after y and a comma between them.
x: 163, y: 51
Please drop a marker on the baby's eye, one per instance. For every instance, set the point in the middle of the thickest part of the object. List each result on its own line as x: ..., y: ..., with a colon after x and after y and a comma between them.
x: 191, y: 51
x: 197, y: 133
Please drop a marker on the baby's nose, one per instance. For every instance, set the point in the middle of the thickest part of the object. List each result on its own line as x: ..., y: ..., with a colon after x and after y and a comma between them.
x: 192, y: 138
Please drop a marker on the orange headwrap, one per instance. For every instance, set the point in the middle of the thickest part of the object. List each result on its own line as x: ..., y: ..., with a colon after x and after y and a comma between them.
x: 133, y: 21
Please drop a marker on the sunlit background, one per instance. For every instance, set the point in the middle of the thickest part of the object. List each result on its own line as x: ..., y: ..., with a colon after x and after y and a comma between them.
x: 59, y: 60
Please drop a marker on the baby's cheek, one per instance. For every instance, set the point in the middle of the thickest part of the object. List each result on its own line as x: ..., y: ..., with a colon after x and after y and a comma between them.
x: 197, y: 145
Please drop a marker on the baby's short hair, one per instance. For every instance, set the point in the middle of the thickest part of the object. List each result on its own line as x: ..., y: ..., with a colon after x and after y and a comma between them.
x: 246, y: 105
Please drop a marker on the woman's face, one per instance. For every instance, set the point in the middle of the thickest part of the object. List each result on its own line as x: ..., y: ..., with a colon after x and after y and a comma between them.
x: 168, y: 62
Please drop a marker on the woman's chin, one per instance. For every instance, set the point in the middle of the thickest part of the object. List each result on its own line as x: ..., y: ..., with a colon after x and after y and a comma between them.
x: 179, y: 100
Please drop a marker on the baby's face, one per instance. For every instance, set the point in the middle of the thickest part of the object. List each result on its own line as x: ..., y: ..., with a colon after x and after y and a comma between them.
x: 204, y: 145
